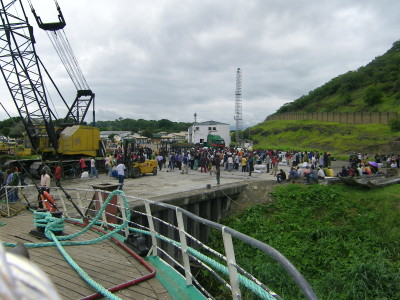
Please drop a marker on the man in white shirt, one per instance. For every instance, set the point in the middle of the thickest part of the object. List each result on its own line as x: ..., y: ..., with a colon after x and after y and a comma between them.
x: 230, y: 163
x: 321, y: 173
x: 93, y: 170
x: 44, y: 185
x: 45, y: 180
x: 121, y: 174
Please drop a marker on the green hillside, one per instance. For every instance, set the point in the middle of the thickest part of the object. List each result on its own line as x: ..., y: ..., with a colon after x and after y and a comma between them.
x: 374, y: 87
x: 337, y: 138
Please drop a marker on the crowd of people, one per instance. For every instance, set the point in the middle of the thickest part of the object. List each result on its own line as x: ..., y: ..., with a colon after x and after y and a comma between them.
x: 310, y: 165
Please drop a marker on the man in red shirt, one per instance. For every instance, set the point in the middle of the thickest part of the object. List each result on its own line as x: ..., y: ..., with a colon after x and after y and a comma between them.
x: 82, y: 163
x: 57, y: 174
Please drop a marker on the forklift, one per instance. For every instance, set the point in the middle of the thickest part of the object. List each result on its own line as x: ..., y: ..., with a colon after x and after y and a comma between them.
x: 136, y: 159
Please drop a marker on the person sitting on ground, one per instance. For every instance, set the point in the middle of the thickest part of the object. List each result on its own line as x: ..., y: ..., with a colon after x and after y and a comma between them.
x: 300, y: 172
x: 367, y: 170
x: 351, y: 172
x: 393, y: 163
x: 281, y: 176
x: 344, y: 172
x: 360, y: 169
x: 321, y: 173
x: 312, y: 175
x: 330, y: 172
x: 356, y: 171
x: 374, y: 170
x: 293, y: 175
x: 306, y: 171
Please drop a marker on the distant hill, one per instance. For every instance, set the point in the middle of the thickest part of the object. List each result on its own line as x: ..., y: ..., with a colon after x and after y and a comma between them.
x: 337, y: 138
x: 374, y: 88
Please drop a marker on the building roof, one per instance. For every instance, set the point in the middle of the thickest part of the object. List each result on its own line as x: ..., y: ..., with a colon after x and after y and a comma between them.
x: 211, y: 123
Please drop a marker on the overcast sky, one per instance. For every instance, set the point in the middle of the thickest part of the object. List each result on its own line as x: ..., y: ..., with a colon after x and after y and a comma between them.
x: 169, y: 59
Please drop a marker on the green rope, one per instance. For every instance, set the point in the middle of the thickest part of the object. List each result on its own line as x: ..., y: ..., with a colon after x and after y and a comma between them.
x: 98, y: 287
x: 256, y: 289
x: 45, y: 219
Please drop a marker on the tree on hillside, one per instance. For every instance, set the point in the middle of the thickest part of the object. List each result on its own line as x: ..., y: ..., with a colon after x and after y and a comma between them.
x: 373, y: 96
x: 165, y: 124
x: 17, y: 130
x: 7, y: 125
x: 147, y: 132
x: 5, y: 131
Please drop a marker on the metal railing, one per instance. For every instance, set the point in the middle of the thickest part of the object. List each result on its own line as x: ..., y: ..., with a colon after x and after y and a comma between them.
x: 224, y: 268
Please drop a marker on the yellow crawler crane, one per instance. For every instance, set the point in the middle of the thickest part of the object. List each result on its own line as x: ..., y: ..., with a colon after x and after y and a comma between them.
x: 24, y: 74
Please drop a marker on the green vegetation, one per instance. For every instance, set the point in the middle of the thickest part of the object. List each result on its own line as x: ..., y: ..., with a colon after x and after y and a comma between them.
x: 374, y: 87
x: 345, y: 241
x: 394, y: 124
x: 12, y: 127
x: 336, y: 138
x: 149, y: 127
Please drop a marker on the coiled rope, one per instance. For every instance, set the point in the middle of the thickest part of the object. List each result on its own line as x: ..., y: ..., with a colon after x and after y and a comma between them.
x: 52, y: 224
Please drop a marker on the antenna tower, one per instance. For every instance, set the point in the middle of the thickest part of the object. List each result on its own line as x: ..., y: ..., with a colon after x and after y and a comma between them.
x: 238, y: 108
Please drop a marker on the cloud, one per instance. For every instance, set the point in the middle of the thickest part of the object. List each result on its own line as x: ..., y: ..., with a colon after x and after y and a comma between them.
x: 170, y: 59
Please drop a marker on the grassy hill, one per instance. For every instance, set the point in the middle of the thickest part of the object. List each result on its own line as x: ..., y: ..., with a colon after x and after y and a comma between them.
x: 374, y: 87
x: 337, y: 138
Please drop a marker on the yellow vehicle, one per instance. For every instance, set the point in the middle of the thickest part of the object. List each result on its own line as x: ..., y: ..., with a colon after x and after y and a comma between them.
x: 135, y: 161
x: 141, y: 168
x: 46, y: 133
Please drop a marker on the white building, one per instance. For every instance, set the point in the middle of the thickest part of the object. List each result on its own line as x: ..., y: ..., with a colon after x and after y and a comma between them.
x: 198, y: 132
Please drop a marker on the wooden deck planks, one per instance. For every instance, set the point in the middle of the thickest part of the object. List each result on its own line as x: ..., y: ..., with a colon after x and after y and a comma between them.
x: 105, y: 262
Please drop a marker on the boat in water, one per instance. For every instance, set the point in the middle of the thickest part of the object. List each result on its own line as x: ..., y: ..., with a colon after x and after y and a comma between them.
x: 91, y: 245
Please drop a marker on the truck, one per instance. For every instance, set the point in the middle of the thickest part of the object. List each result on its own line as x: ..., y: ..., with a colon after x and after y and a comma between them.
x: 215, y: 141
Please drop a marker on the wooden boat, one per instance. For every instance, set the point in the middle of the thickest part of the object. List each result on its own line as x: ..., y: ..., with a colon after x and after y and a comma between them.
x: 370, y: 181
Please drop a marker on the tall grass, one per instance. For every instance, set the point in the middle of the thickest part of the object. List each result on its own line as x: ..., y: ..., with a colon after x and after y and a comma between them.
x: 345, y: 241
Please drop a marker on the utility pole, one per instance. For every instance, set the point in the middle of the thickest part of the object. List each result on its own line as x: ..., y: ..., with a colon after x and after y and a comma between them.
x: 238, y: 108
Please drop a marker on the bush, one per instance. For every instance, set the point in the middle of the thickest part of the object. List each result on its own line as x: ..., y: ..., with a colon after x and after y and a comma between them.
x: 394, y: 124
x: 373, y: 96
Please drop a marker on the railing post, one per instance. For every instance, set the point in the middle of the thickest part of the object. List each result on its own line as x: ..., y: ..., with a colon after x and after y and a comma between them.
x: 231, y: 261
x: 66, y: 214
x: 120, y: 201
x: 185, y: 256
x: 7, y: 200
x: 103, y: 214
x: 78, y: 196
x: 152, y: 231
